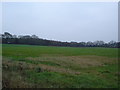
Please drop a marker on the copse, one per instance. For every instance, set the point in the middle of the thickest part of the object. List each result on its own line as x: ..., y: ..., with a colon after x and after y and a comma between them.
x: 8, y: 38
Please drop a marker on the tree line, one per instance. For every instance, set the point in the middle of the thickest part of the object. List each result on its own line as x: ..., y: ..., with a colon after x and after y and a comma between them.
x: 8, y: 38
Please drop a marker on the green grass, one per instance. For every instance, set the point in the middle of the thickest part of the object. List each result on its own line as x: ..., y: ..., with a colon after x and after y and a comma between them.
x: 35, y: 51
x: 59, y: 67
x: 83, y: 80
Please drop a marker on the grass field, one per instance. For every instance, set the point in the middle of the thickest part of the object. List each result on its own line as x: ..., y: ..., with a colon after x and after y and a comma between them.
x: 27, y: 66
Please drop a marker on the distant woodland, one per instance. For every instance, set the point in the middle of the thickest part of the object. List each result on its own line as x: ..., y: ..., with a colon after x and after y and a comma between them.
x: 8, y: 38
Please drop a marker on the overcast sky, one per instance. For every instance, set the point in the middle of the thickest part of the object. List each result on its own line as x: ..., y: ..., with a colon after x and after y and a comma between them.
x: 68, y: 21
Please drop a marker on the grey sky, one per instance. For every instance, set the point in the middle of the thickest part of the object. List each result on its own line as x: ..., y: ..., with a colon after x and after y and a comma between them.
x: 88, y: 21
x: 0, y: 17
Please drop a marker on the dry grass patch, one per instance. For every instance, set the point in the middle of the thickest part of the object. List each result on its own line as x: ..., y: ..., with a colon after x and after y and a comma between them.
x: 22, y: 66
x: 14, y: 80
x: 58, y: 69
x: 78, y: 61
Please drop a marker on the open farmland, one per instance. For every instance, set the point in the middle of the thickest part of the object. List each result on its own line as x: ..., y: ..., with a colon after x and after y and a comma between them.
x: 27, y: 66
